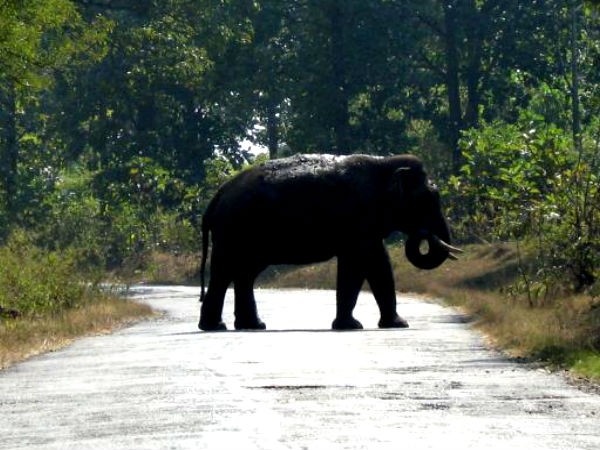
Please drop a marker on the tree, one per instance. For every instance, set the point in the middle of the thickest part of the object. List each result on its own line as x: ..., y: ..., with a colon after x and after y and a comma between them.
x: 168, y: 89
x: 472, y: 49
x: 350, y: 65
x: 37, y: 39
x: 268, y: 70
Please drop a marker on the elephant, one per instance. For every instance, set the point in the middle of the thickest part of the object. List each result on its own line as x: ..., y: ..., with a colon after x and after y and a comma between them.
x: 310, y: 208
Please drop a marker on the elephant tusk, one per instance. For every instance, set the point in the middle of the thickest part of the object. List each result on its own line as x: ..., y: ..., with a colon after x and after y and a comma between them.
x: 453, y: 257
x: 447, y: 246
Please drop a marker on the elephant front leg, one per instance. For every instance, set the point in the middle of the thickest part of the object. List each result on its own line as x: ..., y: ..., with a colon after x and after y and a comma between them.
x: 381, y: 279
x: 350, y: 277
x: 246, y: 314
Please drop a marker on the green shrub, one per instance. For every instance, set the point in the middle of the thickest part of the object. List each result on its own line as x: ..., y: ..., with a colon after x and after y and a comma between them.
x: 36, y: 282
x: 525, y: 182
x: 104, y: 223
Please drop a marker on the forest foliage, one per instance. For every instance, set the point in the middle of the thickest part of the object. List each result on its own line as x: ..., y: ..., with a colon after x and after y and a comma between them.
x: 119, y: 119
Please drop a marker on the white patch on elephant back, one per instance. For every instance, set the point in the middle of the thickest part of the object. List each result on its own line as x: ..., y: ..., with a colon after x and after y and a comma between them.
x: 304, y: 165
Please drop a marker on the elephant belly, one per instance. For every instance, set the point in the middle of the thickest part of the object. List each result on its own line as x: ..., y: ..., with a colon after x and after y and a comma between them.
x: 294, y: 249
x: 306, y: 255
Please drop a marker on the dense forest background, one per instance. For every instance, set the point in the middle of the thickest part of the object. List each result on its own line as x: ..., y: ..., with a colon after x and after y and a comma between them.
x: 119, y: 119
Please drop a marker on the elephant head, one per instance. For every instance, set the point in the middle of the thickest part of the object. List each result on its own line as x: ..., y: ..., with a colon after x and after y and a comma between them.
x: 421, y: 217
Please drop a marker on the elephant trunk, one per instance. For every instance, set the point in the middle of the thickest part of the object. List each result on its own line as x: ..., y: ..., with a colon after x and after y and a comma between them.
x: 439, y: 248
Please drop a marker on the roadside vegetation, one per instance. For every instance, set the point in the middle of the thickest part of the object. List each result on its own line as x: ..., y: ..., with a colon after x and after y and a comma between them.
x: 119, y: 120
x: 46, y: 302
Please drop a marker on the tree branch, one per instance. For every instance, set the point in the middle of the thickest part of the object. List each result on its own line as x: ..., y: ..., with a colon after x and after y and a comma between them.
x: 434, y: 26
x: 110, y: 5
x: 429, y: 64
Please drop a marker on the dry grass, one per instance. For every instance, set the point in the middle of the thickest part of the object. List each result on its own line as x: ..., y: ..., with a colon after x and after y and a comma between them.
x: 165, y: 268
x: 317, y: 276
x: 26, y: 337
x: 552, y: 330
x: 481, y: 268
x: 160, y: 268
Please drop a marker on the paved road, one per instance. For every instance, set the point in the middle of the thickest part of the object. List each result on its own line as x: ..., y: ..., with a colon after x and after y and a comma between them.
x: 164, y: 385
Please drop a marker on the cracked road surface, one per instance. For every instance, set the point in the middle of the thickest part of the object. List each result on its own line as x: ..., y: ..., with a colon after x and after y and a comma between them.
x: 162, y: 384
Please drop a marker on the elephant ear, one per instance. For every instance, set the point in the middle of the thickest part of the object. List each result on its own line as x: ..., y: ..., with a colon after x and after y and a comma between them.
x: 408, y: 180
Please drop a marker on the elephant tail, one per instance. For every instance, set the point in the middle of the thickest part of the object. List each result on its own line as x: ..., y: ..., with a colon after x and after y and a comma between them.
x: 205, y: 239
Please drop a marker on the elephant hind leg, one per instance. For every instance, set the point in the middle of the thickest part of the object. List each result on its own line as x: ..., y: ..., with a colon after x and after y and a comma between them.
x: 211, y: 311
x: 350, y: 278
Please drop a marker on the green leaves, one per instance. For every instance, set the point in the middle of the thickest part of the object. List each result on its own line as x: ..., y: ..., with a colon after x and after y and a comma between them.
x: 37, y: 283
x: 37, y: 38
x: 163, y: 54
x: 526, y: 182
x: 515, y: 168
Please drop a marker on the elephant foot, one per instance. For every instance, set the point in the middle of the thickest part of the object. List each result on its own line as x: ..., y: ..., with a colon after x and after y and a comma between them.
x: 255, y: 324
x: 394, y: 322
x: 215, y: 326
x: 349, y: 323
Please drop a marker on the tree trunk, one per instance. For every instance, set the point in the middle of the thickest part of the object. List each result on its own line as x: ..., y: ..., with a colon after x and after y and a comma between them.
x: 452, y: 83
x: 576, y: 127
x: 10, y: 156
x: 341, y: 127
x: 145, y: 125
x: 474, y: 32
x: 272, y: 130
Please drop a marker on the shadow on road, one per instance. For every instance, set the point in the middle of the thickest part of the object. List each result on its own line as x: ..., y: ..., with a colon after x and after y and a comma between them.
x: 290, y: 330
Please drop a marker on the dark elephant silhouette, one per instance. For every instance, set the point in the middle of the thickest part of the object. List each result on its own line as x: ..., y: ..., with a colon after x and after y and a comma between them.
x: 310, y: 208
